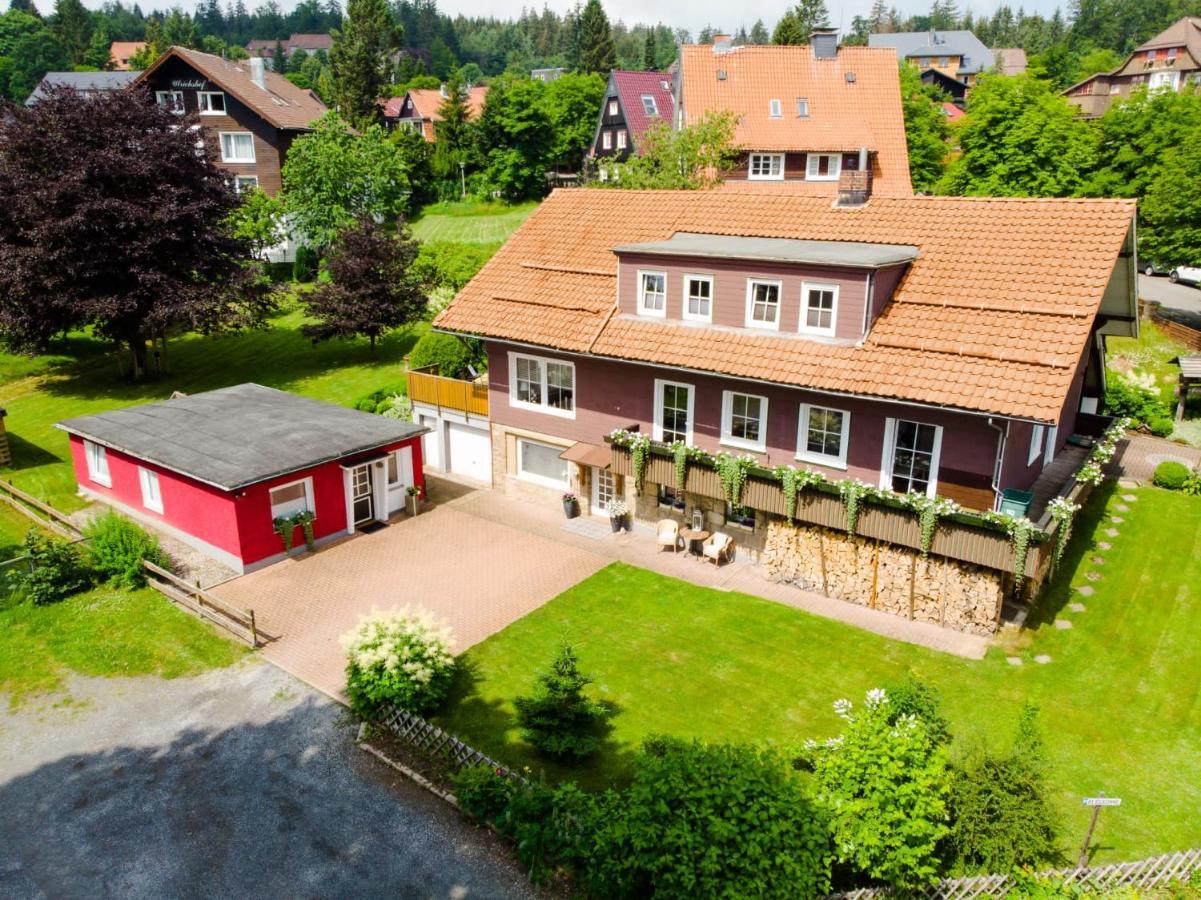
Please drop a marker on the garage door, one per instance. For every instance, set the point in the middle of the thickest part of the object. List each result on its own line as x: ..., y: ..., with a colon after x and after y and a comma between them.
x: 470, y: 451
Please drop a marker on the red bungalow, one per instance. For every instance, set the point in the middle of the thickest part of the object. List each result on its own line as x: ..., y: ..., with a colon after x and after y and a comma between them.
x: 216, y: 469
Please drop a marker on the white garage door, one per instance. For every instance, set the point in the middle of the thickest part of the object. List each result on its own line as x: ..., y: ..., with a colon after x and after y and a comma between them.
x: 431, y: 443
x: 470, y: 451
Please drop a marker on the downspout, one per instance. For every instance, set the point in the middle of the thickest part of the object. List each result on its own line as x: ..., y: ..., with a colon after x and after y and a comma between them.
x: 1002, y: 435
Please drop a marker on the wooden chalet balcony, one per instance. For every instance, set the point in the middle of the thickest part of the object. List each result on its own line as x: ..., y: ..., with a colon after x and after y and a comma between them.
x: 432, y: 389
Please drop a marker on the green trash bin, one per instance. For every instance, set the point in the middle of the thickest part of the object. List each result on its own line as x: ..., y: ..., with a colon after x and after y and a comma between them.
x: 1016, y: 503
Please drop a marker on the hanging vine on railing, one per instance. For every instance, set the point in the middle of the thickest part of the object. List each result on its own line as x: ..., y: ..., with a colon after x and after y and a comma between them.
x: 733, y: 472
x: 929, y: 510
x: 792, y: 482
x: 679, y: 452
x: 853, y: 492
x: 1063, y: 513
x: 1020, y: 530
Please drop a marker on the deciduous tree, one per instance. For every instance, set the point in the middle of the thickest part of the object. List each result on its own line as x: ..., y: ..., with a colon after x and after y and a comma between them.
x: 926, y: 130
x: 517, y: 137
x: 1171, y: 212
x: 696, y: 156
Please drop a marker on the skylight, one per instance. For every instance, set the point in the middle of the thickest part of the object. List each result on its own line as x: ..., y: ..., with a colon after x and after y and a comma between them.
x: 648, y: 104
x: 802, y: 107
x: 776, y: 109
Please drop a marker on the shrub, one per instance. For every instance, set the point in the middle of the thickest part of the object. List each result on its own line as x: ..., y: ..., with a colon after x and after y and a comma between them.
x: 117, y: 547
x: 305, y: 266
x: 450, y: 264
x: 401, y: 657
x: 548, y: 828
x: 1123, y: 399
x: 916, y: 697
x: 1171, y: 475
x: 55, y: 571
x: 483, y: 792
x: 449, y: 354
x: 1162, y: 426
x: 559, y: 720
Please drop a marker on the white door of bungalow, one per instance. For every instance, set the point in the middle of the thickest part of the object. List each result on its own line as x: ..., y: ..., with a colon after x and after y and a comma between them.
x: 362, y: 495
x: 603, y: 490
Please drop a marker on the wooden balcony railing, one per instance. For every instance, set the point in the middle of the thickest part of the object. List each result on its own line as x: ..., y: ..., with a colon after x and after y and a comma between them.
x: 469, y: 397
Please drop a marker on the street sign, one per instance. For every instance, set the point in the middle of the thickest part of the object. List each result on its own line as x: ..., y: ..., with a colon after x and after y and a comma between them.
x: 1102, y: 801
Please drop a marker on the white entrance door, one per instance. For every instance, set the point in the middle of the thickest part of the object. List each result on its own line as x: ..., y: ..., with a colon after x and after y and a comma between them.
x: 362, y: 498
x: 603, y: 490
x: 470, y: 451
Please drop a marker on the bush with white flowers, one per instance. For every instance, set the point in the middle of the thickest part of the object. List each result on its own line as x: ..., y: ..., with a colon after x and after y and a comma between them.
x: 402, y: 657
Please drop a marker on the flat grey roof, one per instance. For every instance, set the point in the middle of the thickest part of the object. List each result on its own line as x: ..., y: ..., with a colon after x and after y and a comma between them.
x: 825, y: 253
x: 87, y: 82
x: 241, y: 435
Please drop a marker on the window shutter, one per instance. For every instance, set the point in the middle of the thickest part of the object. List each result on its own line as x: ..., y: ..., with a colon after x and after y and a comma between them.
x: 890, y: 430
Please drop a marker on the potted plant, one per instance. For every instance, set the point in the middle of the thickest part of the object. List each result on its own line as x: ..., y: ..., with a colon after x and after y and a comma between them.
x: 412, y: 500
x: 618, y: 510
x: 285, y: 527
x: 571, y: 508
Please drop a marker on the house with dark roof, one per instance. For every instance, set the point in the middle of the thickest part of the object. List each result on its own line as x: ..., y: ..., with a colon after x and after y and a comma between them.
x: 958, y: 54
x: 84, y: 82
x: 633, y: 103
x: 309, y: 43
x: 417, y: 109
x: 221, y: 469
x: 251, y: 114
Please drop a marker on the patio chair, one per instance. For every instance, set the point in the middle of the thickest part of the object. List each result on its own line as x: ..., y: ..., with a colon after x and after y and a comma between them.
x: 667, y: 534
x: 718, y: 548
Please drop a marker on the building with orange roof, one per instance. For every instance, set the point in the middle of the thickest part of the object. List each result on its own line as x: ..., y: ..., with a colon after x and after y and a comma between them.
x: 122, y: 52
x: 418, y: 109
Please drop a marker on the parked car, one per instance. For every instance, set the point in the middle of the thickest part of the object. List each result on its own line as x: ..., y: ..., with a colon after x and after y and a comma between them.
x: 1151, y: 267
x: 1186, y: 275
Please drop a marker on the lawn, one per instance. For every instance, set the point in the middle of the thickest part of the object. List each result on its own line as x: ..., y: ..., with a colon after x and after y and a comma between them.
x: 1147, y: 362
x: 470, y: 222
x: 1120, y: 699
x: 81, y: 378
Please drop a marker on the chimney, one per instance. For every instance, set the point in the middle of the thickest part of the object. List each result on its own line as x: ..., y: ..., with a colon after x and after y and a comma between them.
x: 824, y: 42
x: 258, y: 71
x: 855, y: 185
x: 722, y: 43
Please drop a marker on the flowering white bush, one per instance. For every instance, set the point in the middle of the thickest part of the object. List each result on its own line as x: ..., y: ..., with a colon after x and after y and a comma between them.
x: 401, y: 657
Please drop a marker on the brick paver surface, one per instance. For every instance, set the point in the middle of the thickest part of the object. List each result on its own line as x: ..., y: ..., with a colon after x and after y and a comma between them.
x: 474, y: 574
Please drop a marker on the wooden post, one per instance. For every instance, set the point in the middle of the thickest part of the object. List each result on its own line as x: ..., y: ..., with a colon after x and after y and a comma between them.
x: 1082, y: 862
x: 254, y: 632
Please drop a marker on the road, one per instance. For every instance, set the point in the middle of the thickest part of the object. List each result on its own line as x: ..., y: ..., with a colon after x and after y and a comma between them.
x: 1184, y: 301
x: 242, y: 782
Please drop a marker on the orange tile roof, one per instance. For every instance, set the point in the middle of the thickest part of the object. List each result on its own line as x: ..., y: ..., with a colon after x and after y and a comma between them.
x: 991, y: 317
x: 426, y: 102
x: 121, y: 51
x: 843, y: 115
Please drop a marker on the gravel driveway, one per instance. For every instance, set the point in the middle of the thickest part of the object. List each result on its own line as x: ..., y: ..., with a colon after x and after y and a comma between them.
x: 243, y: 782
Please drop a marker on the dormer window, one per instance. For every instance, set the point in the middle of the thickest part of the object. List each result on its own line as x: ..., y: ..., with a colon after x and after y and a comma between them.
x: 649, y: 106
x: 775, y: 107
x: 819, y: 304
x: 766, y: 166
x: 212, y: 103
x: 823, y: 166
x: 763, y: 304
x: 698, y: 298
x: 652, y: 294
x: 802, y: 107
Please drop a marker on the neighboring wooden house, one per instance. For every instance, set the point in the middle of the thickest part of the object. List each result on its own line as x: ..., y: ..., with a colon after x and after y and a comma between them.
x: 818, y: 116
x: 309, y: 43
x: 1169, y: 61
x: 418, y: 109
x: 633, y: 103
x: 957, y: 54
x: 251, y: 114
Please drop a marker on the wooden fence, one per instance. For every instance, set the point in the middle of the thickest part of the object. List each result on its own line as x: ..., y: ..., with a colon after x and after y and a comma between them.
x: 1177, y: 331
x: 40, y: 512
x: 1145, y: 873
x: 429, y: 738
x: 238, y: 622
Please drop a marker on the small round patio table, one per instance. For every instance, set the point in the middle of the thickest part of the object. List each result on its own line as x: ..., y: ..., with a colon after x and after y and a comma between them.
x: 694, y: 539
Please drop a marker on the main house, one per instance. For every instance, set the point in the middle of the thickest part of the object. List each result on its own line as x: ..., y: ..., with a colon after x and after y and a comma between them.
x: 633, y: 103
x: 1169, y: 61
x: 418, y: 109
x: 252, y: 115
x: 820, y: 116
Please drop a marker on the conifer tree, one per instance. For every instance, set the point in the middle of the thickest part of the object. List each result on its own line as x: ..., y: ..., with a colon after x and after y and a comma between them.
x: 73, y: 28
x: 359, y: 59
x: 99, y: 55
x: 595, y: 51
x: 559, y: 720
x: 799, y: 22
x: 649, y: 61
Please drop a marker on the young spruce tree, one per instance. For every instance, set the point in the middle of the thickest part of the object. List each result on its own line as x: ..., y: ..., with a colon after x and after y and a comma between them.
x: 559, y: 720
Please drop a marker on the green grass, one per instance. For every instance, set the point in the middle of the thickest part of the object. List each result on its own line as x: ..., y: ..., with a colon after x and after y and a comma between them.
x: 470, y: 222
x: 104, y: 632
x: 81, y: 378
x: 1120, y: 699
x: 1147, y: 361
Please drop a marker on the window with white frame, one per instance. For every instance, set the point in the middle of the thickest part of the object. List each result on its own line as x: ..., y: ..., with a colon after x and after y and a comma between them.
x: 698, y: 297
x: 212, y: 103
x: 802, y: 107
x: 244, y: 183
x: 1164, y: 80
x: 673, y: 412
x: 762, y: 304
x: 823, y: 166
x: 172, y: 100
x: 545, y: 385
x: 649, y: 106
x: 237, y: 147
x: 744, y: 420
x: 1037, y: 433
x: 292, y: 498
x: 652, y: 293
x: 97, y: 460
x: 398, y: 472
x: 766, y: 167
x: 912, y: 464
x: 823, y: 435
x: 606, y: 140
x: 152, y: 496
x: 819, y: 305
x: 541, y: 464
x: 776, y: 109
x: 621, y: 139
x: 612, y: 107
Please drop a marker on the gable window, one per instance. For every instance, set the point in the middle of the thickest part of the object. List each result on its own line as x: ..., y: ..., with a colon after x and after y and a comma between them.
x: 823, y: 435
x: 649, y: 106
x: 652, y: 294
x: 766, y: 166
x: 212, y: 103
x: 612, y: 107
x: 606, y: 140
x: 822, y: 166
x: 545, y: 385
x: 290, y: 499
x: 621, y: 139
x: 172, y: 100
x: 237, y: 147
x: 762, y: 304
x: 152, y: 497
x: 698, y: 297
x: 911, y: 457
x: 97, y: 460
x: 673, y: 412
x: 818, y: 307
x: 802, y: 108
x: 541, y: 463
x: 744, y: 420
x: 1036, y: 444
x: 775, y: 108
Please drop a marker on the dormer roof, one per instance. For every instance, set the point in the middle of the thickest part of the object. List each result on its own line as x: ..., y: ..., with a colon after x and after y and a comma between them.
x: 843, y: 254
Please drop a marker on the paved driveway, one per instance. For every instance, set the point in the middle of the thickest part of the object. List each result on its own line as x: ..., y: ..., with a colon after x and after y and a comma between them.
x: 1182, y: 300
x: 243, y: 783
x: 476, y: 575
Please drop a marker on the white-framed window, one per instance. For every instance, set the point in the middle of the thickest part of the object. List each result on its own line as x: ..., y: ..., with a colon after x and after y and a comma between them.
x: 652, y: 294
x: 612, y: 107
x: 649, y: 106
x: 944, y: 61
x: 924, y: 62
x: 823, y: 166
x: 802, y: 107
x: 237, y: 147
x: 212, y: 103
x: 172, y: 100
x: 621, y: 139
x: 541, y: 464
x: 292, y: 498
x: 698, y: 298
x: 744, y: 420
x: 766, y: 167
x: 97, y: 460
x: 673, y: 411
x: 1037, y: 433
x: 823, y: 435
x: 775, y: 109
x: 244, y: 183
x: 152, y: 497
x: 606, y: 140
x: 1165, y: 80
x: 819, y: 308
x: 1115, y: 89
x: 543, y: 385
x: 400, y: 468
x: 911, y: 452
x: 762, y: 304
